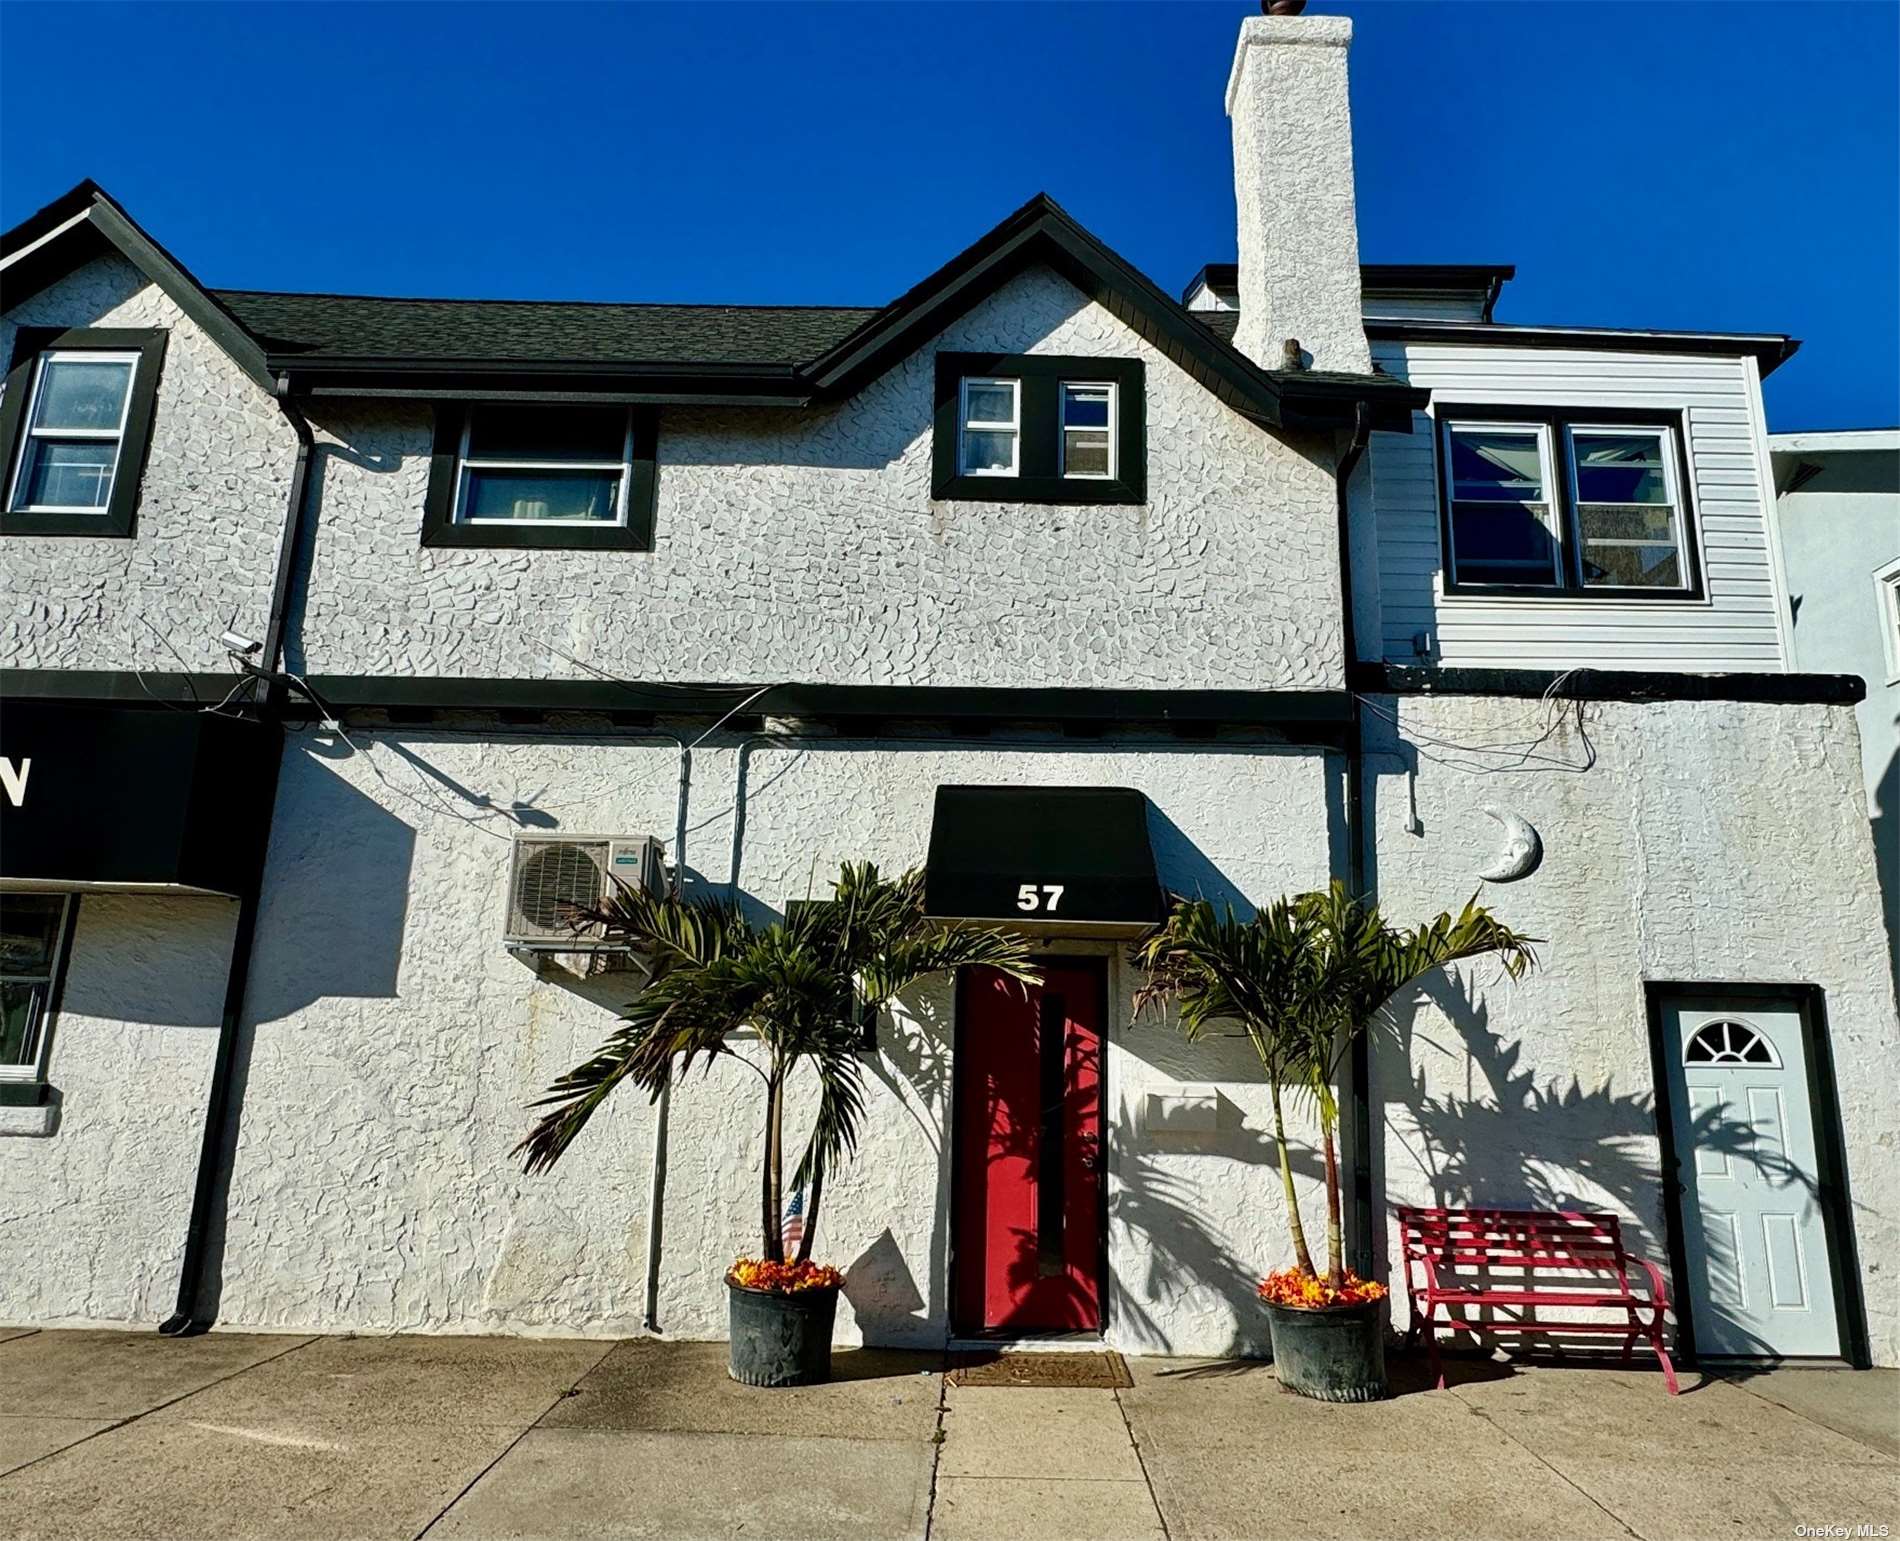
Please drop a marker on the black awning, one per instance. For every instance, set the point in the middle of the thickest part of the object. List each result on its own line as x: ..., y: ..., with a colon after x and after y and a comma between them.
x: 1071, y: 857
x: 131, y: 797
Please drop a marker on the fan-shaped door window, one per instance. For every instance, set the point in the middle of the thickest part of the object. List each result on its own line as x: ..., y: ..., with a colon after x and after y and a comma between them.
x: 1729, y: 1043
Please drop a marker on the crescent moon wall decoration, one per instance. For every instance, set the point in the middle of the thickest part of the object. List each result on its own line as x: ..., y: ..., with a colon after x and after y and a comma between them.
x: 1523, y: 849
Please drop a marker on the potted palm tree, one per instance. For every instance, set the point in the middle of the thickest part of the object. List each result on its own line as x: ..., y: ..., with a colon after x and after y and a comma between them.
x: 804, y: 989
x: 1303, y: 978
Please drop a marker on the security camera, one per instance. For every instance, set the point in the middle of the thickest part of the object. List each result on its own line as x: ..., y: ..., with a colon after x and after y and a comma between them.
x: 239, y: 645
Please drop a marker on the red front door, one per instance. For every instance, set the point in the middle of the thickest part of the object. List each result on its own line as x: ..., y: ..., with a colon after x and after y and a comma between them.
x: 1028, y: 1150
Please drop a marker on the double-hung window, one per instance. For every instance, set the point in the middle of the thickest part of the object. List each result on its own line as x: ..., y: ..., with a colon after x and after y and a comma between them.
x: 990, y: 427
x: 1034, y: 428
x: 1566, y: 503
x: 33, y: 938
x: 1627, y: 507
x: 1502, y: 522
x: 1088, y: 429
x: 542, y: 475
x: 75, y: 428
x: 75, y: 424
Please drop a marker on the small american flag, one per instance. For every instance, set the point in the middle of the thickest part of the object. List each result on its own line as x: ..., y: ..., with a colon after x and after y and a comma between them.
x: 792, y: 1232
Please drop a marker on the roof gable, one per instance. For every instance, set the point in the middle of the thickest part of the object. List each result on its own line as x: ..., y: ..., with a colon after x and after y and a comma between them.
x: 85, y: 223
x: 1042, y: 233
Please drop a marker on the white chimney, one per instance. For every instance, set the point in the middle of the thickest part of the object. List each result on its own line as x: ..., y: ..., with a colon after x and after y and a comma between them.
x: 1299, y: 243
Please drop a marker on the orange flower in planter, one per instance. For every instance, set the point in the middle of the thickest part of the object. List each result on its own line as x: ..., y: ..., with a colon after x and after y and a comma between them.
x: 786, y: 1278
x: 1296, y: 1287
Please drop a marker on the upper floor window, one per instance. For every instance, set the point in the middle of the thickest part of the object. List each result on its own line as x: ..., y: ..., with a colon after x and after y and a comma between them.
x: 541, y: 475
x: 75, y: 423
x: 1035, y: 428
x: 1572, y: 503
x: 1887, y: 596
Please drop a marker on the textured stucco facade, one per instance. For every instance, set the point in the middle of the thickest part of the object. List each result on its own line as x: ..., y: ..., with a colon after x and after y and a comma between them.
x: 97, y: 1184
x: 804, y: 544
x: 1705, y: 842
x: 210, y: 513
x: 397, y: 1045
x: 1293, y: 192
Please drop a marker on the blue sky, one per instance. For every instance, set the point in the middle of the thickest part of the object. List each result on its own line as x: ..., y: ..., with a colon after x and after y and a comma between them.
x: 1732, y: 166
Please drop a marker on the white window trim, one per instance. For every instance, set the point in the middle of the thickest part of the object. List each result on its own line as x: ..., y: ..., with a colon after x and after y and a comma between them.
x: 464, y: 463
x: 1063, y: 387
x: 77, y: 435
x: 1887, y: 597
x: 1672, y: 481
x: 1547, y: 474
x: 967, y: 425
x: 35, y: 1070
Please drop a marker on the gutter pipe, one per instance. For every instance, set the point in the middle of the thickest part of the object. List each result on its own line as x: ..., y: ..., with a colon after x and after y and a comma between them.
x: 656, y: 1163
x: 1356, y: 848
x: 219, y: 1144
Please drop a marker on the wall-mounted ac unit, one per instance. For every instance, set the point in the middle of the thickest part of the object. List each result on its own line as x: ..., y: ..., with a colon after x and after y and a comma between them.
x: 551, y: 874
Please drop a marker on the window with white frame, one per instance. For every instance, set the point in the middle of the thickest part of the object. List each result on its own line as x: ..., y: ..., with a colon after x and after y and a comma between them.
x: 1051, y: 428
x: 73, y: 432
x: 1628, y: 513
x: 1088, y: 429
x: 545, y: 466
x: 32, y: 946
x: 1887, y: 596
x: 989, y: 427
x: 1502, y: 528
x: 1583, y: 502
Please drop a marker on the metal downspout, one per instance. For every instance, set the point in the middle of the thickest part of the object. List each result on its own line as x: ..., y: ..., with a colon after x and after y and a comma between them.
x: 1356, y: 838
x: 214, y: 1152
x: 656, y: 1182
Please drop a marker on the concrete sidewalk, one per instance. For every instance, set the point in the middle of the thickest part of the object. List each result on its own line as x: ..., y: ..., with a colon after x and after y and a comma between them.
x: 110, y: 1435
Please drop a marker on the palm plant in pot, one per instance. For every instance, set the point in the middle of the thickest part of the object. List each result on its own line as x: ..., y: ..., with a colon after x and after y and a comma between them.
x: 1302, y: 978
x: 804, y: 990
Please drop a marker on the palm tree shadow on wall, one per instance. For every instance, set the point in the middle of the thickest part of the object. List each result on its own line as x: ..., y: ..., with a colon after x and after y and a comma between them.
x: 1511, y: 1142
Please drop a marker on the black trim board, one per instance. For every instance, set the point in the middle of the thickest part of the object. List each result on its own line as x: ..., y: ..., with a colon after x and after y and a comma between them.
x: 109, y: 227
x: 120, y: 518
x: 1039, y: 435
x: 439, y: 527
x: 1611, y: 684
x: 1446, y: 415
x: 1830, y: 1154
x: 1041, y: 232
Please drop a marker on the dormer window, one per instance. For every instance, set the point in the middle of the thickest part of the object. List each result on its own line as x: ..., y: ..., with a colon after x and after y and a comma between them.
x: 991, y: 427
x: 75, y: 423
x: 1036, y: 428
x: 1538, y: 501
x: 541, y: 475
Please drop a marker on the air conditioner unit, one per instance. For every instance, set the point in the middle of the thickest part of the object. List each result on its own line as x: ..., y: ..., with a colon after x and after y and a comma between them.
x: 552, y: 874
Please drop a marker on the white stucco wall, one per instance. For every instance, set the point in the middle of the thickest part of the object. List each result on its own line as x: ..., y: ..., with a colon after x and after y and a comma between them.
x: 804, y: 545
x: 210, y: 514
x: 95, y: 1189
x: 397, y: 1045
x: 1707, y: 842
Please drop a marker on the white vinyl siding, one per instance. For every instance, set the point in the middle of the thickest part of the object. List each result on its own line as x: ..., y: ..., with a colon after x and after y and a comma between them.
x: 1735, y: 626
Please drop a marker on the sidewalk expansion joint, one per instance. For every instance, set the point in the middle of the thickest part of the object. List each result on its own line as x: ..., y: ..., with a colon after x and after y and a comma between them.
x: 1141, y: 1461
x: 533, y: 1424
x: 1588, y: 1497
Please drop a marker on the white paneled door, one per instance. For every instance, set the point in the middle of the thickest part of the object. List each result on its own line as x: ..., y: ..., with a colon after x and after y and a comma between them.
x: 1760, y: 1281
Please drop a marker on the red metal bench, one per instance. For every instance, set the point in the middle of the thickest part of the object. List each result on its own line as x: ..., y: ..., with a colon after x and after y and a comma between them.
x: 1530, y: 1261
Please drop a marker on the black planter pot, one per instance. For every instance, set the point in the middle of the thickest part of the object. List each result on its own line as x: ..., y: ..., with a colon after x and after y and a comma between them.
x: 1334, y: 1355
x: 780, y: 1339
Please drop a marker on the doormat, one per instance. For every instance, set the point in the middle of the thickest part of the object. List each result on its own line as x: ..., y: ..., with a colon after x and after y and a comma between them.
x: 1097, y: 1371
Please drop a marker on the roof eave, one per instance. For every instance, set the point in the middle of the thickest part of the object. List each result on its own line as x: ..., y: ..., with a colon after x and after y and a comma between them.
x: 1770, y: 349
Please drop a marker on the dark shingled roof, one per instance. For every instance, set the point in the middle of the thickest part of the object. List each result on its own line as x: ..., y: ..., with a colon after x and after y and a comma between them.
x: 320, y: 326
